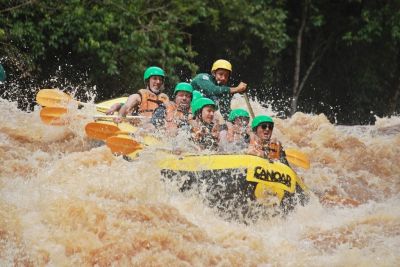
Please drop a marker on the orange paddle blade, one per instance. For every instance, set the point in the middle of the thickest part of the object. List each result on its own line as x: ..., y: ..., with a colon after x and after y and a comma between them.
x: 123, y: 145
x: 53, y: 98
x: 53, y: 115
x: 101, y: 130
x: 297, y: 158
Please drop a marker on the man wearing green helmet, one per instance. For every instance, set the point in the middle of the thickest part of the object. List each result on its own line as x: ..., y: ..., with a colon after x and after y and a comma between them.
x: 215, y: 87
x: 175, y: 115
x: 145, y: 101
x: 237, y: 136
x: 261, y: 144
x: 204, y: 129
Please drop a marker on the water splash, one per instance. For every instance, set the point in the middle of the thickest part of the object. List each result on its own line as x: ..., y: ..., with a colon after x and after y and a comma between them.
x: 65, y: 200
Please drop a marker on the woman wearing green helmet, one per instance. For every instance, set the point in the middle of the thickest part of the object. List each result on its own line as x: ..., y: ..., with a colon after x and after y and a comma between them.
x: 145, y: 101
x: 197, y: 109
x: 237, y: 136
x: 261, y: 143
x: 205, y: 131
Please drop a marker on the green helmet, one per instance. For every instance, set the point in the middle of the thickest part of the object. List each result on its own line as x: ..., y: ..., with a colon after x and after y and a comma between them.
x: 196, y: 95
x: 2, y: 74
x: 153, y: 71
x: 237, y: 113
x: 187, y: 87
x: 260, y: 119
x: 199, y: 104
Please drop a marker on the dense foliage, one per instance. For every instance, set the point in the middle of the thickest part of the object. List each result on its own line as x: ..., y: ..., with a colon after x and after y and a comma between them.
x: 341, y: 58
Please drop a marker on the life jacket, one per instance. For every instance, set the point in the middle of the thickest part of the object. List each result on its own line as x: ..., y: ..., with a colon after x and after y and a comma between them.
x: 176, y: 118
x: 150, y: 101
x: 269, y: 150
x: 205, y: 135
x: 275, y: 149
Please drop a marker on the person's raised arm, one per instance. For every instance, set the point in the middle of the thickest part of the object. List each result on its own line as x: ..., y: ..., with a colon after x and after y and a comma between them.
x: 204, y: 83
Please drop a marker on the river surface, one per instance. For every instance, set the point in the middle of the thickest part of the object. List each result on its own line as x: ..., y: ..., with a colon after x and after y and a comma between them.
x: 65, y: 200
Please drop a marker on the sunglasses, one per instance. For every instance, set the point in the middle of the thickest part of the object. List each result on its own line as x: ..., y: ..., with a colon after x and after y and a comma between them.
x: 266, y: 125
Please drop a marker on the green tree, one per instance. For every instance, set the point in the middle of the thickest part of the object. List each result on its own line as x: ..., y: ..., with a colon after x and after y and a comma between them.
x: 111, y: 41
x: 341, y: 57
x: 325, y: 56
x: 379, y: 27
x: 249, y: 33
x: 310, y: 19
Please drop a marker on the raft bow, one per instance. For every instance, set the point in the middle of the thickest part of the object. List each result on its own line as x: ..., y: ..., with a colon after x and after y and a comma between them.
x: 231, y: 182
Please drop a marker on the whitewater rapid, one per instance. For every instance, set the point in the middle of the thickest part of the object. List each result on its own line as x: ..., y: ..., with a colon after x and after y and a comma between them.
x: 66, y: 200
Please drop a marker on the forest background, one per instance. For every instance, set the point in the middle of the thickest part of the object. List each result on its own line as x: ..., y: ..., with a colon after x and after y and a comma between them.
x: 337, y: 57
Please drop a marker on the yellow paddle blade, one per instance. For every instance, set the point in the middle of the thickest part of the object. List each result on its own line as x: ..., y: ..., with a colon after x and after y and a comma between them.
x: 297, y: 158
x: 123, y: 145
x: 150, y: 140
x: 127, y: 126
x: 53, y: 98
x: 101, y: 130
x: 53, y: 115
x: 105, y: 105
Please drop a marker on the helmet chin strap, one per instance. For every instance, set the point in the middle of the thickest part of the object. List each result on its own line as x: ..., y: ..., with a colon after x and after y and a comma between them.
x: 215, y: 77
x: 200, y: 115
x: 155, y: 92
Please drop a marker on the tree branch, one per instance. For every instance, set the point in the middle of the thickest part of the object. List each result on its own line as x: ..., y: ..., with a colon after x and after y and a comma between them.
x: 296, y: 75
x: 299, y: 41
x: 18, y: 6
x: 309, y: 69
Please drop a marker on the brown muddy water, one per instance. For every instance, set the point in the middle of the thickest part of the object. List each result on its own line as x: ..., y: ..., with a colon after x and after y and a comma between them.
x: 67, y: 201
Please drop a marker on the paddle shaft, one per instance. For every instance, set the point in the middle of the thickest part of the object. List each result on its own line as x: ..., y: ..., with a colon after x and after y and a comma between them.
x: 117, y: 116
x: 61, y: 111
x: 246, y: 98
